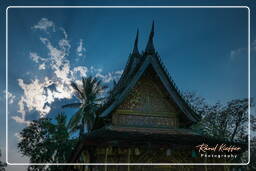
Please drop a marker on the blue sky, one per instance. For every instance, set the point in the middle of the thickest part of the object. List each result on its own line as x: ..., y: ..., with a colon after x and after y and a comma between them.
x: 205, y: 51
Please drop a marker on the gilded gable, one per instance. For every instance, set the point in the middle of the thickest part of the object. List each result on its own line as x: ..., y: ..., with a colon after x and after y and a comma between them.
x: 146, y: 105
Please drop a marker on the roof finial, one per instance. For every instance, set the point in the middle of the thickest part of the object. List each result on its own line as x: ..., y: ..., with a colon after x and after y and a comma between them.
x: 135, y: 48
x: 150, y: 45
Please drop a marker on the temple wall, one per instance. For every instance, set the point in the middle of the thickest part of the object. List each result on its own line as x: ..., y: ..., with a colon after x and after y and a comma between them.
x: 148, y: 155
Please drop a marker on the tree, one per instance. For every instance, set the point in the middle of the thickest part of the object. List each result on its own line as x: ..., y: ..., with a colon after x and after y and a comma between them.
x: 46, y: 141
x: 228, y: 121
x: 90, y: 100
x: 2, y: 164
x: 238, y: 109
x: 252, y: 165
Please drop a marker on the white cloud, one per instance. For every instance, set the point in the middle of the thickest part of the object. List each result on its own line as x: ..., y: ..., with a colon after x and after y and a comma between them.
x: 44, y: 24
x: 21, y: 106
x: 82, y: 70
x: 20, y: 120
x: 36, y: 58
x: 35, y: 97
x: 111, y: 76
x: 80, y: 49
x: 41, y: 66
x: 237, y: 53
x: 64, y: 32
x: 11, y: 97
x: 95, y: 70
x: 243, y: 52
x: 39, y: 60
x: 40, y: 93
x: 119, y: 73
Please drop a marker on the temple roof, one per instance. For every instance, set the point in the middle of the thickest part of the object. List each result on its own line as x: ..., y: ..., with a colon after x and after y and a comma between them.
x: 150, y: 49
x: 136, y: 65
x: 135, y: 48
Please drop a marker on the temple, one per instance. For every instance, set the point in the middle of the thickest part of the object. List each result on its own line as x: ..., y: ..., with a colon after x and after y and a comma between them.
x: 145, y: 120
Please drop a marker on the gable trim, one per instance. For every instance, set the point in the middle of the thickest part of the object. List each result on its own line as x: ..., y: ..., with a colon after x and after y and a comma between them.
x: 165, y: 81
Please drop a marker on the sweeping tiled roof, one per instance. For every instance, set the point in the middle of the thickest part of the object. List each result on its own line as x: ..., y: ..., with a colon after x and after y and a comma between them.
x: 137, y: 64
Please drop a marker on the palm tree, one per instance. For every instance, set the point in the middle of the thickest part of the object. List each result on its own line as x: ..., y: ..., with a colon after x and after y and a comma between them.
x: 90, y: 99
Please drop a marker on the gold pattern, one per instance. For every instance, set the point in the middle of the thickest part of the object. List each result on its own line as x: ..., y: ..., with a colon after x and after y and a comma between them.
x: 146, y: 105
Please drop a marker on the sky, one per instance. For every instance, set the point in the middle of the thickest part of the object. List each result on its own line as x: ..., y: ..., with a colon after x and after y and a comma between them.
x: 204, y: 50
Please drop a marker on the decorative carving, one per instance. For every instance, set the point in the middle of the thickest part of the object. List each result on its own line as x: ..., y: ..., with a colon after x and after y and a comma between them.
x: 146, y: 105
x: 147, y: 97
x: 145, y: 121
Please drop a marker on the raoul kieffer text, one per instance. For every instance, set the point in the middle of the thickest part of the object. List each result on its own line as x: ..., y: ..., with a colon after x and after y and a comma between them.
x: 217, y: 148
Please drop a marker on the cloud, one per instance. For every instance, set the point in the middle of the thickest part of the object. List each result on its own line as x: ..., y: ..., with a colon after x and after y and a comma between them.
x: 36, y: 58
x: 243, y: 52
x: 95, y: 70
x: 41, y: 66
x: 39, y: 60
x: 237, y: 53
x: 11, y: 97
x: 253, y: 46
x: 64, y: 32
x: 39, y: 93
x: 44, y: 24
x: 111, y: 76
x: 81, y: 70
x: 80, y: 49
x: 20, y: 120
x: 35, y: 96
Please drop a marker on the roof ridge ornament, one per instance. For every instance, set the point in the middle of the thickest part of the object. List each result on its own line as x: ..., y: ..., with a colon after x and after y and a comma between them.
x: 135, y: 48
x: 150, y: 49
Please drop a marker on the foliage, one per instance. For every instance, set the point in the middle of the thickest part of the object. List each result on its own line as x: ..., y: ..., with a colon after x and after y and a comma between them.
x: 2, y: 164
x: 46, y: 141
x: 90, y: 100
x: 228, y: 121
x: 252, y: 165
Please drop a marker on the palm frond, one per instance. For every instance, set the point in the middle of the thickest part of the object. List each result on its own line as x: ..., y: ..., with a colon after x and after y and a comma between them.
x: 85, y: 87
x: 100, y: 99
x: 104, y: 87
x: 61, y: 118
x: 75, y: 86
x: 90, y: 94
x: 75, y: 119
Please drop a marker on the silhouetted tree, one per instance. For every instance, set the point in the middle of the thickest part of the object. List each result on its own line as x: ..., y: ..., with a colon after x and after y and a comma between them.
x: 46, y: 141
x: 2, y: 164
x: 90, y: 100
x: 228, y: 121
